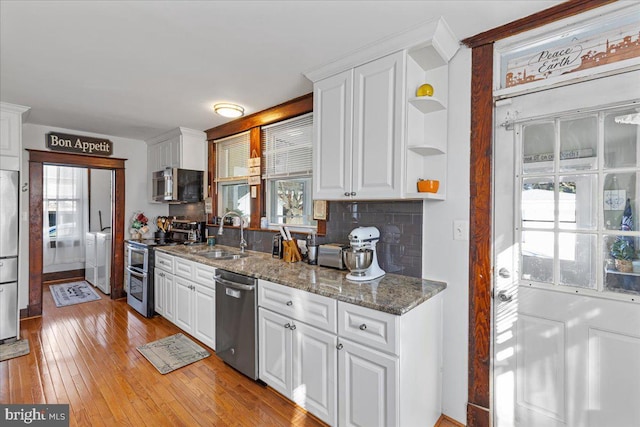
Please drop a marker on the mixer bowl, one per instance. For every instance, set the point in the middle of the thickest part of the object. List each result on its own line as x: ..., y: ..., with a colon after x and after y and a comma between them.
x: 357, y: 260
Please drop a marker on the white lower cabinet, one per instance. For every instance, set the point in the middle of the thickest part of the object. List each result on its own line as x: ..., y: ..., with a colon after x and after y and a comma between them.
x: 300, y: 362
x: 367, y: 389
x: 188, y: 297
x: 384, y: 369
x: 184, y: 304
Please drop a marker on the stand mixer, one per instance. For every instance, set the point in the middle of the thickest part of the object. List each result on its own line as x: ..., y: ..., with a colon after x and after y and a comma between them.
x: 361, y: 258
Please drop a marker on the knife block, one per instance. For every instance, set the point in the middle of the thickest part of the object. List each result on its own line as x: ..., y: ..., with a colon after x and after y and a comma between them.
x: 291, y: 253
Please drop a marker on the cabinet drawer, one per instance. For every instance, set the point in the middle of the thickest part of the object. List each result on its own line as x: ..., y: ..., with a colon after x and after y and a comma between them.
x: 307, y: 307
x: 183, y: 268
x: 164, y: 262
x: 203, y: 274
x: 370, y: 327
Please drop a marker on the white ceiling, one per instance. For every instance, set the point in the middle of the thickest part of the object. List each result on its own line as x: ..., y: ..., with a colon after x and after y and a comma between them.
x: 139, y: 68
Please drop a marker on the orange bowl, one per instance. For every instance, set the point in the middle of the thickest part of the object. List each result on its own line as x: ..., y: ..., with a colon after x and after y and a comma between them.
x: 428, y: 186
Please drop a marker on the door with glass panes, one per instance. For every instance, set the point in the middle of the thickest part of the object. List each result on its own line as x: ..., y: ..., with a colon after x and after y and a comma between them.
x: 566, y: 313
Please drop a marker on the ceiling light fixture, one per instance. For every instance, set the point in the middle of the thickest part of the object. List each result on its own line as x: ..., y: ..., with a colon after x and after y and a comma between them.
x: 228, y: 110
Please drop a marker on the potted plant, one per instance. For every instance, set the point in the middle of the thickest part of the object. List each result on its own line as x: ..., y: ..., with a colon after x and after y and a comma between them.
x: 623, y: 253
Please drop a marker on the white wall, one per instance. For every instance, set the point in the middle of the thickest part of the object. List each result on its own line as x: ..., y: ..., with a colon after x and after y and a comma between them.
x: 446, y: 259
x: 100, y: 199
x: 135, y: 151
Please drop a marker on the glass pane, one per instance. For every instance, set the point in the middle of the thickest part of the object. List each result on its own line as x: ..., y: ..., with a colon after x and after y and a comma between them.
x: 578, y: 143
x: 537, y: 256
x: 235, y: 197
x: 620, y: 204
x: 577, y: 195
x: 538, y: 142
x: 290, y: 201
x: 537, y: 202
x: 577, y: 256
x: 622, y: 268
x: 621, y: 135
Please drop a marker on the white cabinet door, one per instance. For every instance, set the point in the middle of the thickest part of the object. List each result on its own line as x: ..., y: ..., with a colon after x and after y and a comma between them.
x: 368, y: 389
x: 378, y: 128
x: 169, y: 297
x: 274, y: 338
x: 204, y: 326
x: 314, y: 362
x: 332, y: 108
x: 184, y: 304
x: 158, y: 291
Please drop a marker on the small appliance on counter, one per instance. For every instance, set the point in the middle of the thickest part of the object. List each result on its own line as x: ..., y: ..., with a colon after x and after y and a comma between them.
x: 361, y: 258
x: 330, y: 255
x: 186, y: 231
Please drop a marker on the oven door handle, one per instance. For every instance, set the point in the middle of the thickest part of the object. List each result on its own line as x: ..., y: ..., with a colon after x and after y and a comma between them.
x: 136, y: 273
x: 234, y: 285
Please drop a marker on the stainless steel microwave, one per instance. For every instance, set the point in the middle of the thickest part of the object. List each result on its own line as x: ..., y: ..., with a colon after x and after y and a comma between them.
x: 174, y: 185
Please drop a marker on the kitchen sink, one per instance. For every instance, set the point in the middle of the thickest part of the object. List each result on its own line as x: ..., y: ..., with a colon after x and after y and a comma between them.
x: 223, y: 255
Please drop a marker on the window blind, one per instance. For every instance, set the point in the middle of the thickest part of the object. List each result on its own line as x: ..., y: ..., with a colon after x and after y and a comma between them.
x: 286, y: 148
x: 232, y: 154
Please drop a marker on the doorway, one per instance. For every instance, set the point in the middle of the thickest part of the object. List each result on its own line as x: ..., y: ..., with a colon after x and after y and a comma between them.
x: 566, y: 319
x: 37, y: 160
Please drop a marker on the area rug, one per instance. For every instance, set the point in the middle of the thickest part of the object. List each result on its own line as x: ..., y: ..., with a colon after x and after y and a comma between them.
x: 73, y: 293
x: 170, y: 353
x: 14, y: 349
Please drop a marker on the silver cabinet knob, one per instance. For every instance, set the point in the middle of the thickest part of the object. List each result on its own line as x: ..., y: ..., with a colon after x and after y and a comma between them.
x: 339, y: 346
x: 363, y: 327
x: 289, y: 303
x: 353, y: 193
x: 287, y: 326
x: 502, y: 296
x: 504, y: 273
x: 293, y: 327
x: 346, y: 193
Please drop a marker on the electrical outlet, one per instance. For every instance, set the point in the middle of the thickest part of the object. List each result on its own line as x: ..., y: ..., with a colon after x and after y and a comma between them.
x: 460, y: 229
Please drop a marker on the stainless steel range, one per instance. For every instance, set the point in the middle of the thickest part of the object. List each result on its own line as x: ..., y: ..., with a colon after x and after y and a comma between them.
x: 141, y: 261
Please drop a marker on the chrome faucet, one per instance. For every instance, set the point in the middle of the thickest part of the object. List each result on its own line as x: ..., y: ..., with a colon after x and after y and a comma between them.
x: 243, y: 243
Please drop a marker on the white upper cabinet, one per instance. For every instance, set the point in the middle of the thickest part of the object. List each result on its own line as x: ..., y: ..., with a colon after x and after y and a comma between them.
x: 179, y: 148
x: 378, y: 128
x: 11, y: 135
x: 373, y: 137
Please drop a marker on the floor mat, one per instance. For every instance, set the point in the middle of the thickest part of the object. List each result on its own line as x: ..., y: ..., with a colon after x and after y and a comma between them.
x: 73, y: 293
x: 170, y: 353
x: 14, y: 349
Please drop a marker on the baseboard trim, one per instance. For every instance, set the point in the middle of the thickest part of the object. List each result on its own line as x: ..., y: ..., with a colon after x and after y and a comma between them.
x: 449, y: 420
x: 63, y: 276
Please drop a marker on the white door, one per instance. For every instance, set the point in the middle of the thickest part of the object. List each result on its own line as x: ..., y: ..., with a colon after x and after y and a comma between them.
x: 204, y: 326
x: 378, y: 127
x: 314, y: 362
x: 332, y: 124
x: 274, y: 339
x: 158, y: 291
x: 566, y: 319
x: 169, y: 297
x: 184, y: 304
x: 368, y: 386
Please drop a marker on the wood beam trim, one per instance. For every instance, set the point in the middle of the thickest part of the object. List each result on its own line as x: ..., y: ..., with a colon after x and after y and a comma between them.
x: 54, y: 158
x: 544, y: 17
x: 286, y: 110
x: 480, y: 228
x: 35, y: 239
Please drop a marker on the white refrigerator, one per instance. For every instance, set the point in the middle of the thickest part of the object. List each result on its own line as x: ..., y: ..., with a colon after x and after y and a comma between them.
x: 9, y: 216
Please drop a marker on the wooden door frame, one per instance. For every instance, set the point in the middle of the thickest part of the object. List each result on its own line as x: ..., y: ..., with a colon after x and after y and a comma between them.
x: 481, y: 198
x: 37, y: 160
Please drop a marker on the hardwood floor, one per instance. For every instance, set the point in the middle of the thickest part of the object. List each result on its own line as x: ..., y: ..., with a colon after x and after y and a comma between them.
x: 85, y: 355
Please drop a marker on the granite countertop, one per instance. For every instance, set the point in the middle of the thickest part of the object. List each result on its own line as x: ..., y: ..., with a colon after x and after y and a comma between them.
x: 391, y: 293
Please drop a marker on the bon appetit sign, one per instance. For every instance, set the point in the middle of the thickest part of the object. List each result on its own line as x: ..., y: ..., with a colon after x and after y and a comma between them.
x: 79, y: 144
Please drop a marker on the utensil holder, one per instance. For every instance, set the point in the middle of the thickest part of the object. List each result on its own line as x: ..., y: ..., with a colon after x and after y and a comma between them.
x: 291, y: 251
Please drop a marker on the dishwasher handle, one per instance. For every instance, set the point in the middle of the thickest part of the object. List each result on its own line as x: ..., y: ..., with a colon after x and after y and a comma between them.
x: 234, y: 285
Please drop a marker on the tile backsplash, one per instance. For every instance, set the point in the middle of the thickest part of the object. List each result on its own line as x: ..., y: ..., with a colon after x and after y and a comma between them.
x: 399, y: 222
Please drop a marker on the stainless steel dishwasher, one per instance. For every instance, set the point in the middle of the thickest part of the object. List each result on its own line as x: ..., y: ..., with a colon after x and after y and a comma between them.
x: 236, y: 321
